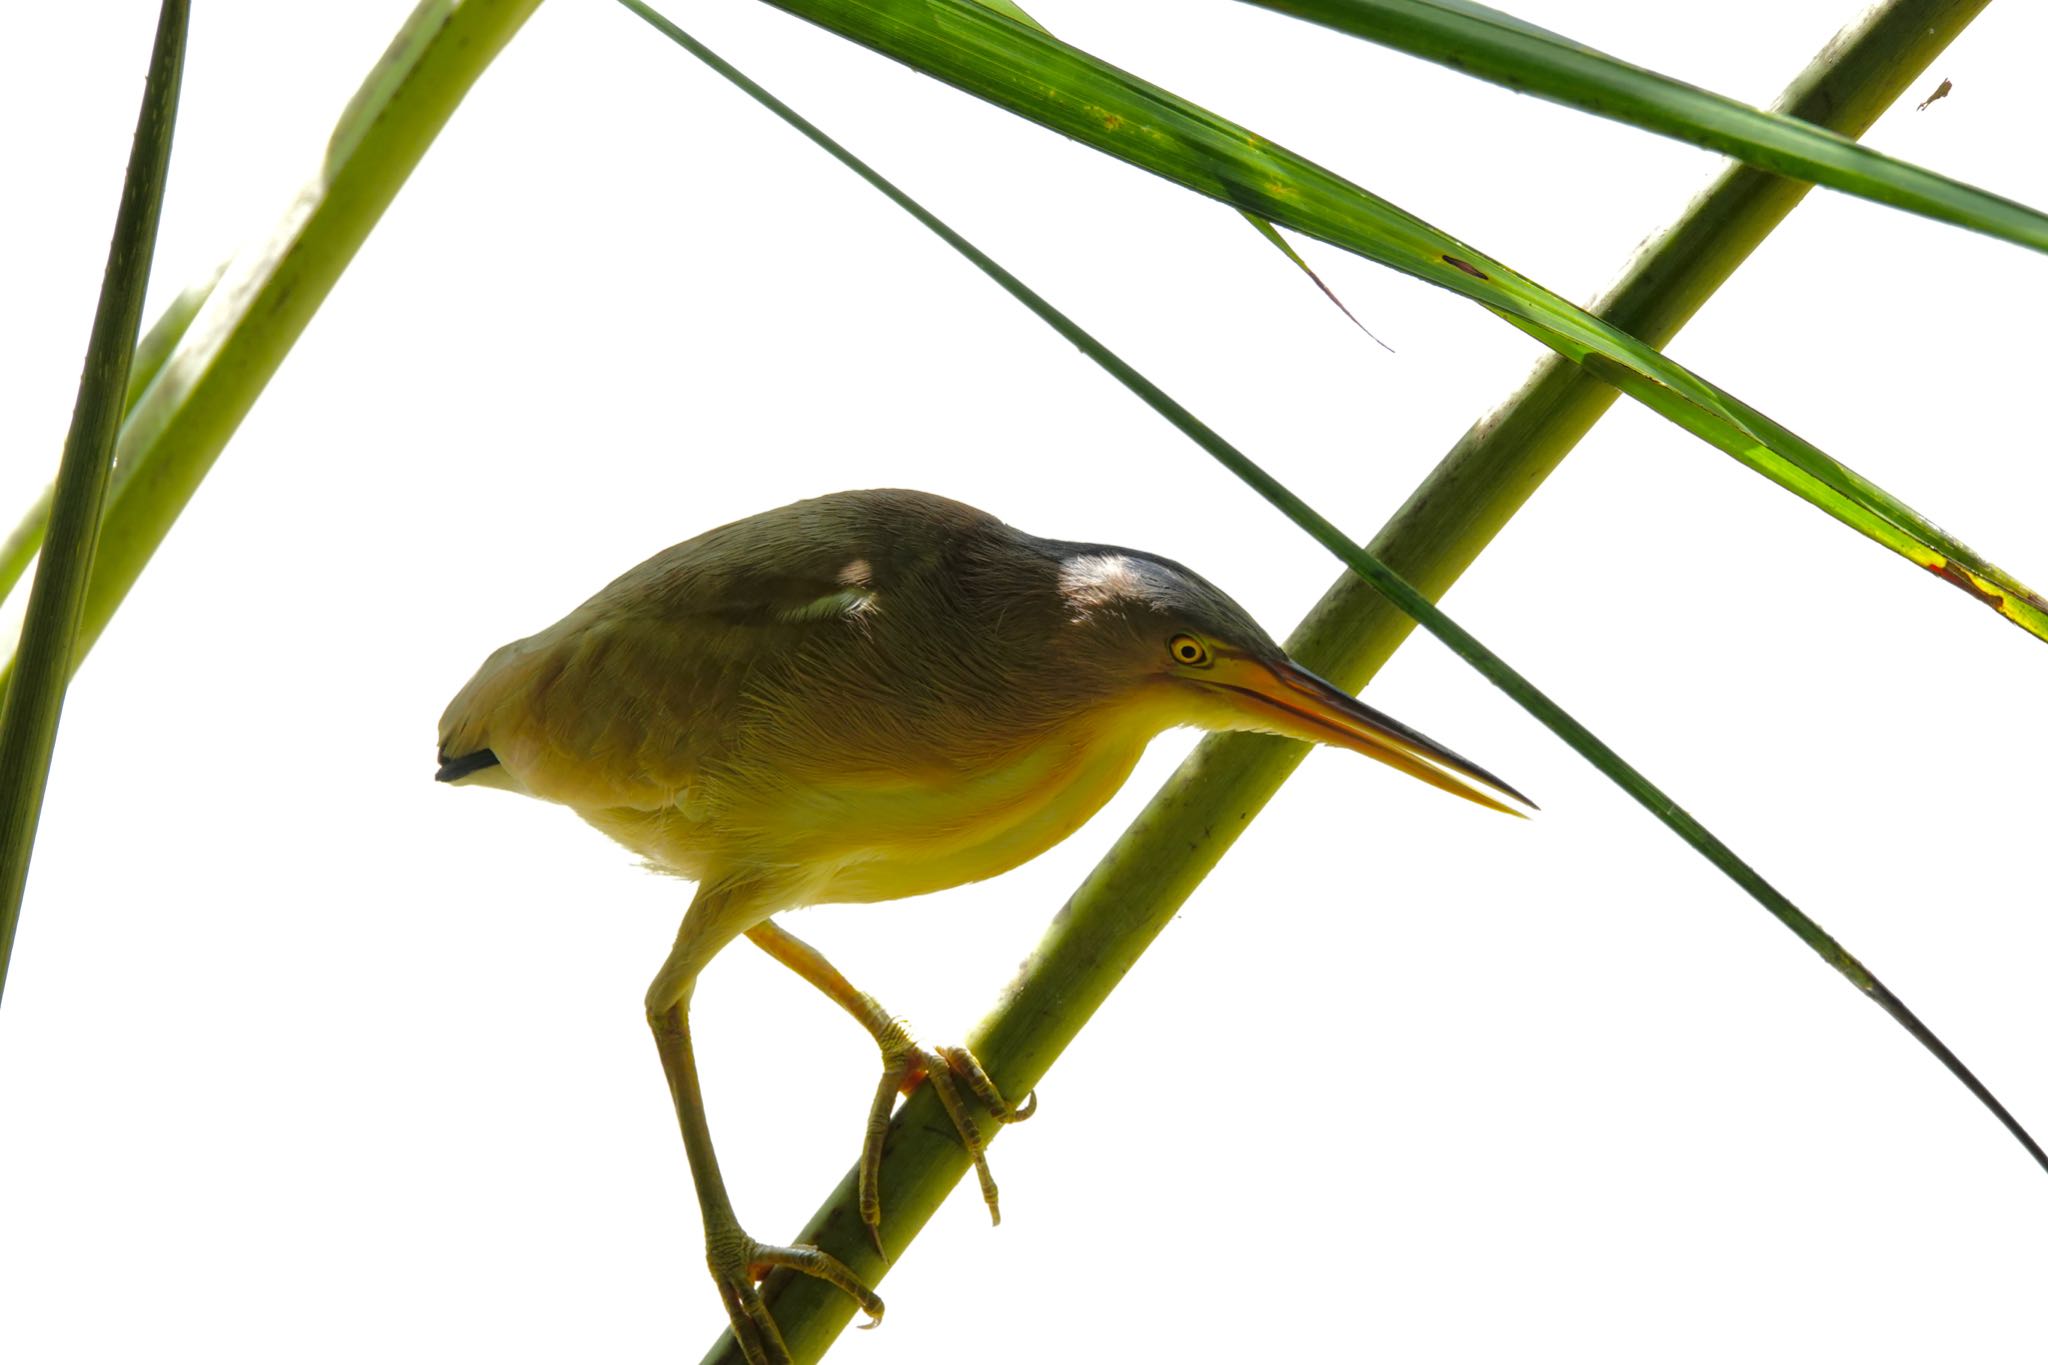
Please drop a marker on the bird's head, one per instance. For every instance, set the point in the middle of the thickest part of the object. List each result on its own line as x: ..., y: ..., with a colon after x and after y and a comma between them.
x: 1187, y: 654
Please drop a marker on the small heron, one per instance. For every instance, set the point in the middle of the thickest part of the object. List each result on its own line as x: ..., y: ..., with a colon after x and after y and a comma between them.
x: 862, y: 697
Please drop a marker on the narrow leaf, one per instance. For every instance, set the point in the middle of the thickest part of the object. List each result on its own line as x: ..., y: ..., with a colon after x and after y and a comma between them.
x: 1285, y: 248
x: 1033, y: 74
x: 1500, y: 48
x: 34, y: 697
x: 1259, y: 225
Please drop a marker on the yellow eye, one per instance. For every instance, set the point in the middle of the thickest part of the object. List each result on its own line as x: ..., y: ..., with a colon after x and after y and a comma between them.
x: 1186, y: 649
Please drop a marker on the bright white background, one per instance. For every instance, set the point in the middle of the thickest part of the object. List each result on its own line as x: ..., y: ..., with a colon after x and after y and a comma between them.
x: 305, y: 1057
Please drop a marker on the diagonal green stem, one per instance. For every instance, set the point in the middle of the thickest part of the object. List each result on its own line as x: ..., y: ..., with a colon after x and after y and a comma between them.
x: 35, y: 695
x: 1486, y: 477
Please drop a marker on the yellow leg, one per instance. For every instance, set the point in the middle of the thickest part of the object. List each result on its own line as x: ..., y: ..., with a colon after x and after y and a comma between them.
x: 737, y: 1261
x: 905, y: 1062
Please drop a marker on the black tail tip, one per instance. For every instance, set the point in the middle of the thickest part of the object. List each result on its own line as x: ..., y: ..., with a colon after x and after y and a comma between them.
x: 455, y: 769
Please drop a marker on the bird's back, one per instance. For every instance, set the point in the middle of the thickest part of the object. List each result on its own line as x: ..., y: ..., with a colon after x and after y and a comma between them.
x: 853, y: 643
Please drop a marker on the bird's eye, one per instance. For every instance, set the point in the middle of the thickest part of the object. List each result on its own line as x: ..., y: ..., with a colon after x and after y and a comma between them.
x: 1186, y: 649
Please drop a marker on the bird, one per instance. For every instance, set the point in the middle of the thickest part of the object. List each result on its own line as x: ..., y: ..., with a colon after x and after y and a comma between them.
x: 861, y: 697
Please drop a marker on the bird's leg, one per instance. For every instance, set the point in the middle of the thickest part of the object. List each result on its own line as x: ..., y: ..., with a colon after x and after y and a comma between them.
x: 905, y: 1062
x: 737, y: 1261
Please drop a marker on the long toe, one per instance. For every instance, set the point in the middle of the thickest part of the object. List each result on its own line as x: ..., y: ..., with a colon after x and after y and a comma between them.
x: 964, y: 1065
x: 905, y: 1063
x: 738, y: 1264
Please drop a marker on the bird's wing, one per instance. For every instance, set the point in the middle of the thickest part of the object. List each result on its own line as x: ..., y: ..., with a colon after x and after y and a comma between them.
x: 620, y: 703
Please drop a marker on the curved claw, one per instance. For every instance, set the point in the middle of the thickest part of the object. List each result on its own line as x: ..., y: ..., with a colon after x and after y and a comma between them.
x: 905, y: 1062
x: 738, y: 1263
x: 963, y: 1064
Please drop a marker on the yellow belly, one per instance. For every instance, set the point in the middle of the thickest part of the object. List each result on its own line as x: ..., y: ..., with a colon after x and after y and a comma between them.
x: 878, y: 839
x: 988, y: 826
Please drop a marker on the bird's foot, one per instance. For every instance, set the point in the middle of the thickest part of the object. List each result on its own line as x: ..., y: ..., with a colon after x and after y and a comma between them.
x: 738, y: 1264
x: 905, y: 1064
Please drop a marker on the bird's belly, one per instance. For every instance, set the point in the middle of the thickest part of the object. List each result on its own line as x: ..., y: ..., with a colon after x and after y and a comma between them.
x: 834, y: 838
x: 930, y: 837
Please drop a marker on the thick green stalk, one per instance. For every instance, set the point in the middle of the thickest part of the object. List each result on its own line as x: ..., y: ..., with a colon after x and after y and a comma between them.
x: 255, y: 314
x: 1141, y: 883
x: 49, y: 635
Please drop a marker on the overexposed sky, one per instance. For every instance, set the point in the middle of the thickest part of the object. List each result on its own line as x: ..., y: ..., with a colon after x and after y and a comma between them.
x: 306, y: 1057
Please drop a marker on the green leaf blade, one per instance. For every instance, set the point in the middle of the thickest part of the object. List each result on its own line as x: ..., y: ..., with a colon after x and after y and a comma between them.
x: 1025, y: 70
x: 1501, y: 49
x: 34, y: 691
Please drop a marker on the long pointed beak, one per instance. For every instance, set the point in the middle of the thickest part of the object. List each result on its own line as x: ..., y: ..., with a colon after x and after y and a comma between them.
x: 1282, y: 697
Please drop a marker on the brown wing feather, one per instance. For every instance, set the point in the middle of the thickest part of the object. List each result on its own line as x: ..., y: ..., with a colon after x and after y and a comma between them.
x: 621, y: 703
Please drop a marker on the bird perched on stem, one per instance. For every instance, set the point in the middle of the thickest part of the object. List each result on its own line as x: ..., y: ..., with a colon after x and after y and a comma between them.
x: 862, y: 697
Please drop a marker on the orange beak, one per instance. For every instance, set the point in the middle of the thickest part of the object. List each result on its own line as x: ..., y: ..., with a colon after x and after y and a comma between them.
x: 1283, y: 698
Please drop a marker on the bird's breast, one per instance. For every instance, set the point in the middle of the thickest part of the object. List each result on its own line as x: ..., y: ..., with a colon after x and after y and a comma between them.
x: 912, y: 836
x: 828, y: 833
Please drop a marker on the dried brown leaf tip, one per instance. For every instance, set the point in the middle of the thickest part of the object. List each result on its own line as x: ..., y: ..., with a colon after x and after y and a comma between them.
x: 1968, y: 582
x: 1940, y: 92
